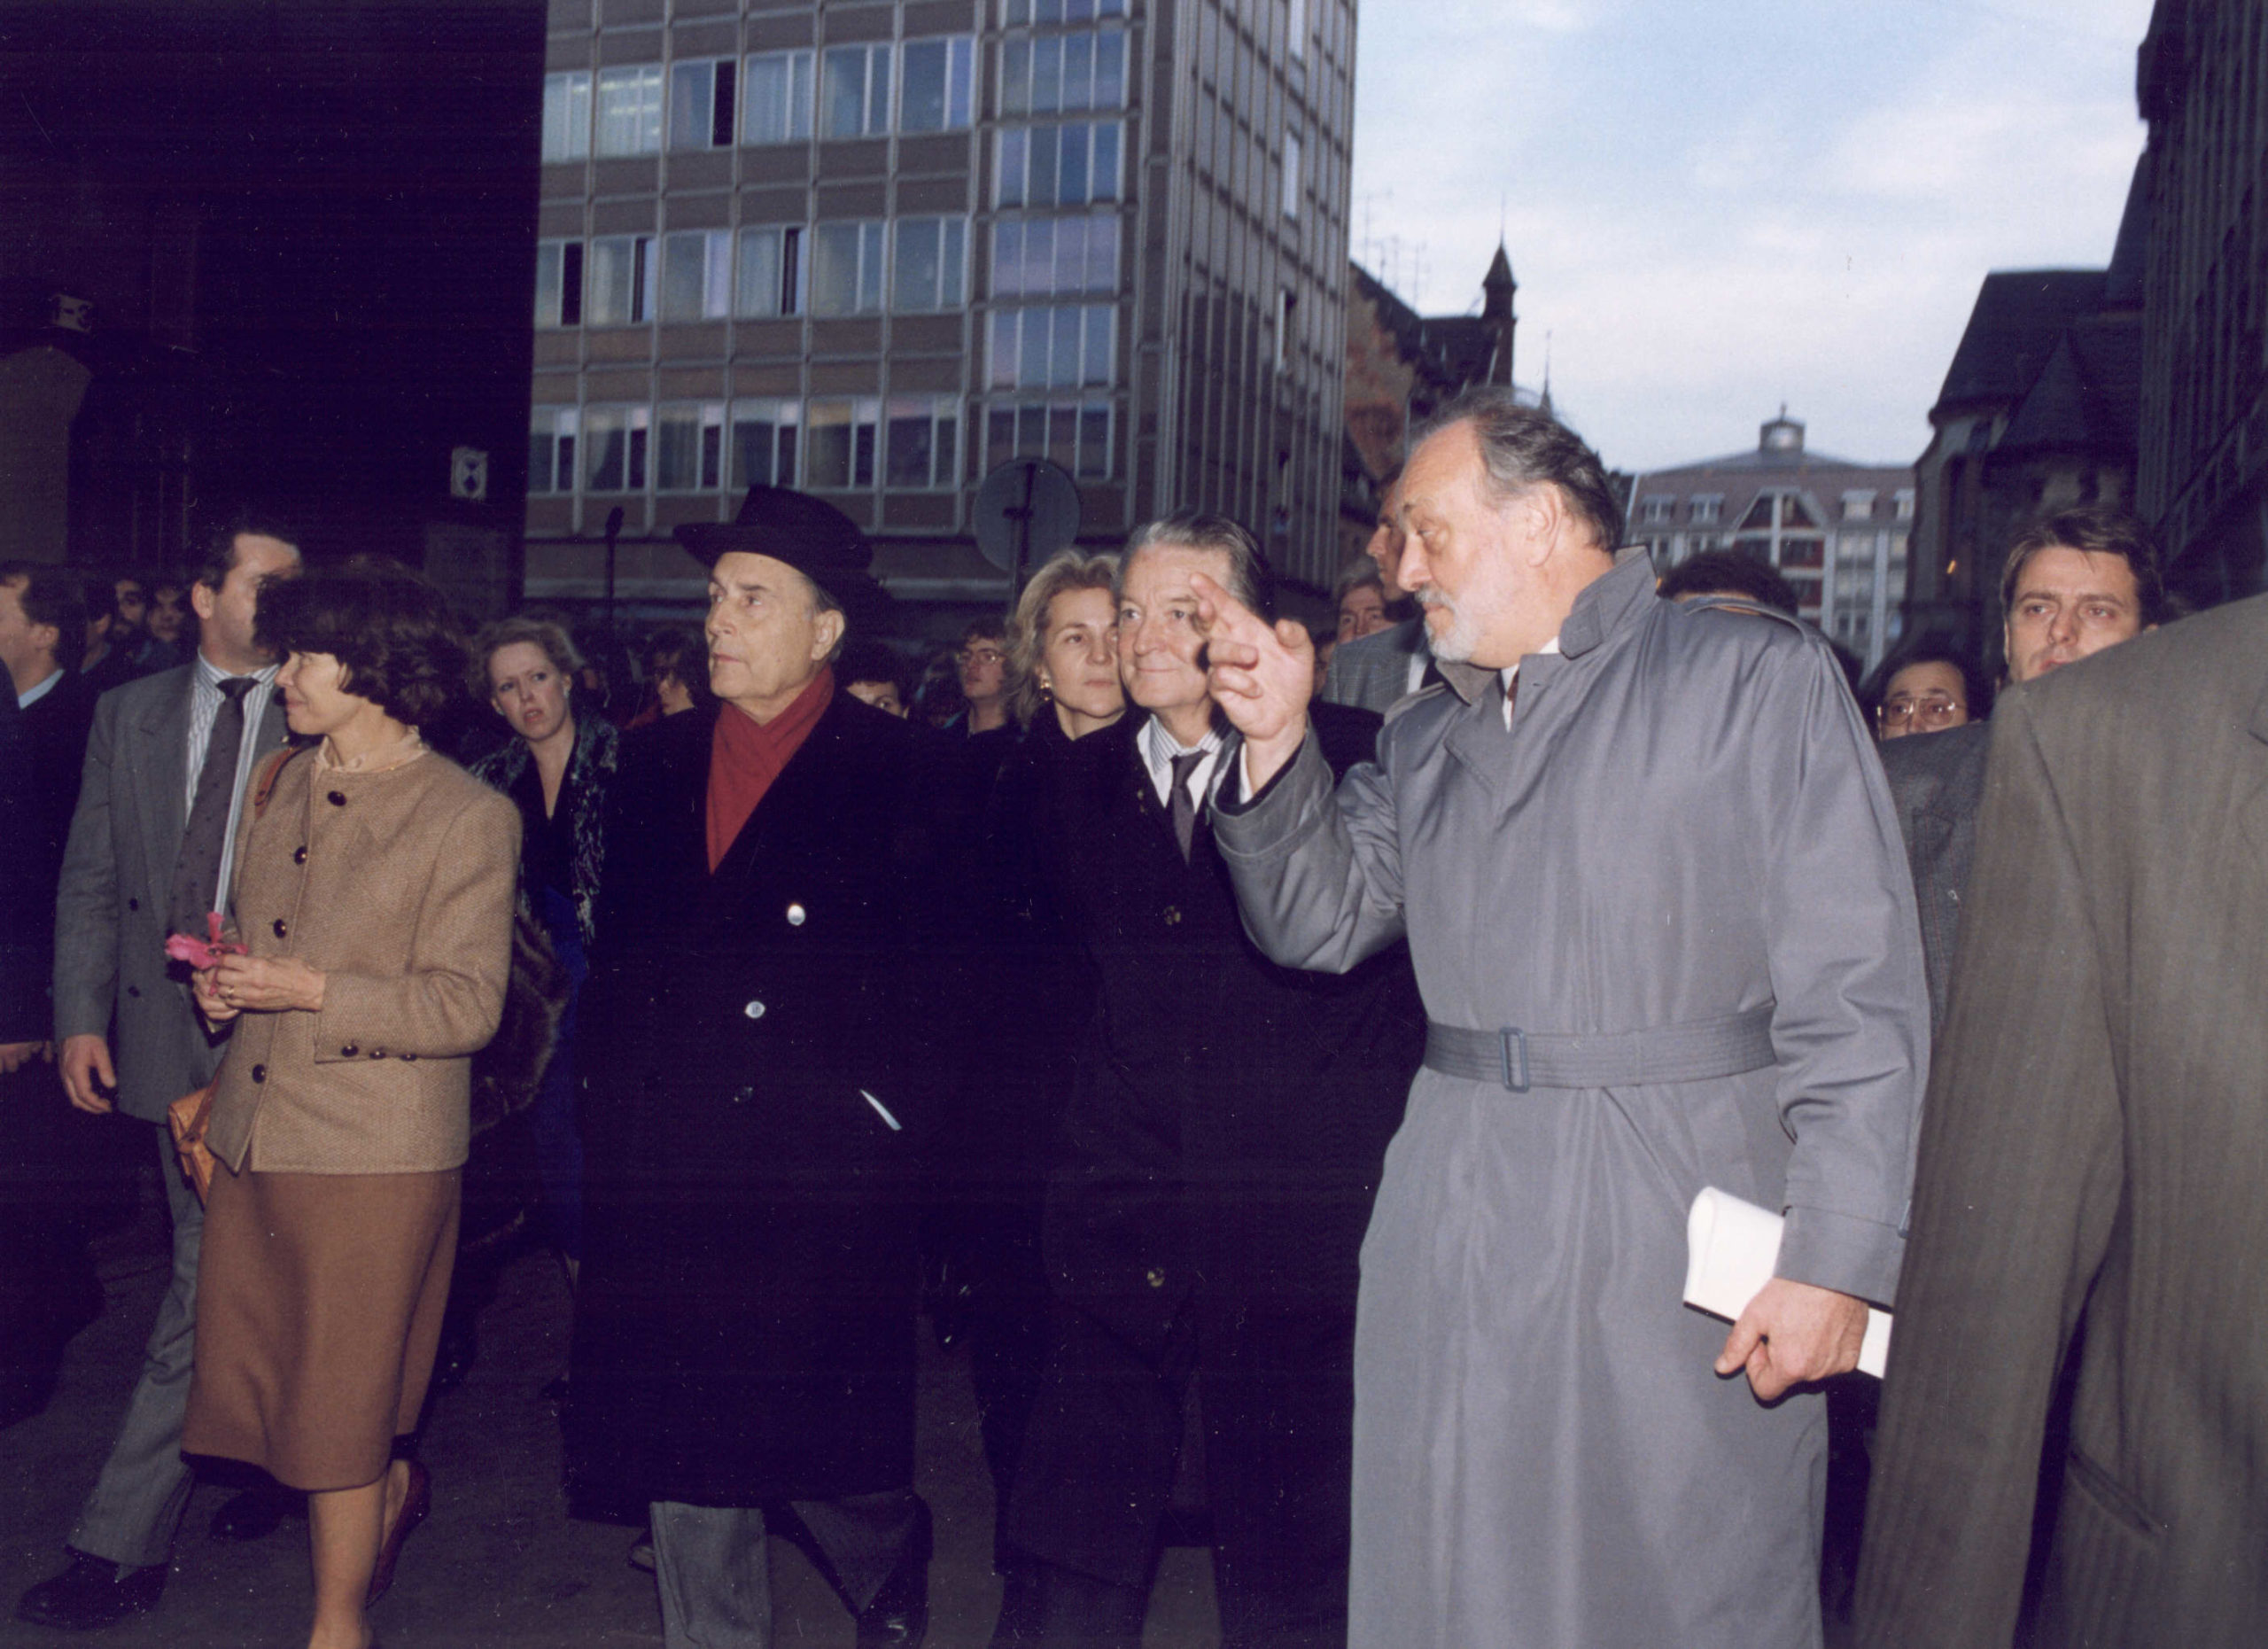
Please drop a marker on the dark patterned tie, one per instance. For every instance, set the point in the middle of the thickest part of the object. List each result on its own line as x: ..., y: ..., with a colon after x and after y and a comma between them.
x: 1179, y: 805
x: 197, y: 872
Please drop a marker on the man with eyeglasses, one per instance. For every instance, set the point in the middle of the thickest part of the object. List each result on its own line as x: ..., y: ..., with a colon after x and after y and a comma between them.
x: 2076, y: 582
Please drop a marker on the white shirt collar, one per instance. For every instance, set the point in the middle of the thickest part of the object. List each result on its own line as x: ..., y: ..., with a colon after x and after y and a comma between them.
x: 1158, y: 748
x: 1511, y: 671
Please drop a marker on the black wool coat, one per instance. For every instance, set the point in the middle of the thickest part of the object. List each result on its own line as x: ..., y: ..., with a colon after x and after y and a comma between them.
x: 1224, y: 1136
x: 745, y: 1316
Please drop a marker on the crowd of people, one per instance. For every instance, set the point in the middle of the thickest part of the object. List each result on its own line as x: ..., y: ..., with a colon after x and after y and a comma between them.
x: 1284, y: 1060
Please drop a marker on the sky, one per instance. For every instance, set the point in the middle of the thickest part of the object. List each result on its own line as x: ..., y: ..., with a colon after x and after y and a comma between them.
x: 1713, y: 207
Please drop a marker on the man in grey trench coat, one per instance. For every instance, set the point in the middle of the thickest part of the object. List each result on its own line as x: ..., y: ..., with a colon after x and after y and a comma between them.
x: 1654, y: 890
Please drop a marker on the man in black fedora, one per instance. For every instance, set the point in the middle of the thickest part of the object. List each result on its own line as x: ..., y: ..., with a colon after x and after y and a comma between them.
x: 745, y: 1318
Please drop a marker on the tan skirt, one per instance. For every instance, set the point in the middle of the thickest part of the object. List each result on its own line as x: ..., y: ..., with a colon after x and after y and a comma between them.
x: 319, y: 1304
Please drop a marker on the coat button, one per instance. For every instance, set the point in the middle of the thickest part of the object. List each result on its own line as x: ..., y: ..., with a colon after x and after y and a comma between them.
x: 259, y: 1073
x: 1173, y: 915
x: 754, y: 1010
x: 280, y: 929
x: 337, y: 798
x: 796, y: 915
x: 133, y: 990
x: 377, y: 1052
x: 1156, y: 1277
x: 133, y: 904
x: 349, y: 1051
x: 299, y: 856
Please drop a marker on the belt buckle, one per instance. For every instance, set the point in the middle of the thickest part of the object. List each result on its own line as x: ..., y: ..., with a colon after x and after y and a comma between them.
x: 1509, y: 1040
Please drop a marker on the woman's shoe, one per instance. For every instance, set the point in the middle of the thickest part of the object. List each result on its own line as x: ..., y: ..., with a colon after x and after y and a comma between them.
x: 415, y: 1505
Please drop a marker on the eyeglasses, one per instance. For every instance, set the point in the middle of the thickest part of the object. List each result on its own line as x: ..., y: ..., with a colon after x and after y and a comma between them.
x: 1932, y: 711
x: 980, y: 656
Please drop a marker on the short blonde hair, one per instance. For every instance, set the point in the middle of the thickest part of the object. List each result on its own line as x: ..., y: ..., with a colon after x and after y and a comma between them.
x: 547, y: 633
x: 1067, y: 571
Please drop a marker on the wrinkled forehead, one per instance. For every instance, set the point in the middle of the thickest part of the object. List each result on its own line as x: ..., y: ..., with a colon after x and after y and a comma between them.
x: 2067, y: 573
x: 1165, y: 569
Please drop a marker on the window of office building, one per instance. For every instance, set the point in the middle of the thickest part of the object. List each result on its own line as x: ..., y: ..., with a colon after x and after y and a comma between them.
x: 567, y: 116
x: 701, y: 104
x: 1047, y: 166
x: 777, y: 96
x: 630, y: 111
x: 840, y: 435
x: 1904, y: 497
x: 937, y: 85
x: 854, y: 91
x: 765, y: 446
x: 1291, y: 175
x: 1063, y: 347
x: 1047, y: 257
x: 614, y: 448
x: 1074, y: 434
x: 923, y: 448
x: 772, y: 272
x: 1708, y: 507
x: 551, y: 449
x: 689, y: 447
x: 1297, y: 34
x: 930, y: 269
x: 559, y: 282
x: 1018, y: 13
x: 697, y: 275
x: 847, y: 268
x: 1047, y: 73
x: 619, y: 285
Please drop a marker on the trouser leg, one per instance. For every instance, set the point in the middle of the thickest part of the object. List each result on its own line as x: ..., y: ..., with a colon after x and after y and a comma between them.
x: 1074, y: 1611
x: 864, y: 1538
x: 135, y: 1508
x: 714, y: 1578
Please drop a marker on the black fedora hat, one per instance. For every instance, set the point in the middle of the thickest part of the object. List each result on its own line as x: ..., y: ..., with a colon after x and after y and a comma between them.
x: 809, y: 534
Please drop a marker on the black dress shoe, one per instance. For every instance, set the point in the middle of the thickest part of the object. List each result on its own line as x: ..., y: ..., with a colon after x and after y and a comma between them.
x: 255, y: 1513
x: 91, y: 1594
x: 899, y: 1618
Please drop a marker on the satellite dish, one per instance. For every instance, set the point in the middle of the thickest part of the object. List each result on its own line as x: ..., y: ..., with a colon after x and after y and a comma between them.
x: 1026, y: 510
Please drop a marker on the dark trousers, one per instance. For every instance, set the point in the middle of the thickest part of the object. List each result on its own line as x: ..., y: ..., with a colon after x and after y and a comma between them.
x: 1098, y: 1471
x: 1006, y: 1332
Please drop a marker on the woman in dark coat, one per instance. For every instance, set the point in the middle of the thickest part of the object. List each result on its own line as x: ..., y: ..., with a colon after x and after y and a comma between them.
x: 1037, y: 992
x: 557, y: 769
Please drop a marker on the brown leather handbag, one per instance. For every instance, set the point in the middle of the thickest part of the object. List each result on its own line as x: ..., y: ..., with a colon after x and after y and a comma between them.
x: 188, y: 1117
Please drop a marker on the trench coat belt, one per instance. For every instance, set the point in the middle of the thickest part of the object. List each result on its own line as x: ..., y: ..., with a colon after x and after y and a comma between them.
x: 1521, y: 1060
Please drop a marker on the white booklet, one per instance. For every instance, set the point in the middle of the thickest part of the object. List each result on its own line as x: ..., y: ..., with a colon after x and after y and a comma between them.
x: 1731, y: 1247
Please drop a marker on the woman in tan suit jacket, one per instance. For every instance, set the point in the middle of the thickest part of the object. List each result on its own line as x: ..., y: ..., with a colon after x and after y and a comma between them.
x: 374, y: 891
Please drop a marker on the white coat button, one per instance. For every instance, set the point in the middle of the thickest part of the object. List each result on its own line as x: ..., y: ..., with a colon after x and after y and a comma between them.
x: 754, y: 1010
x: 794, y: 915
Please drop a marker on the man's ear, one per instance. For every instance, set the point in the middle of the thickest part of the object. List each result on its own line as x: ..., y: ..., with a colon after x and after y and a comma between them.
x: 203, y: 598
x: 826, y: 633
x: 1540, y: 519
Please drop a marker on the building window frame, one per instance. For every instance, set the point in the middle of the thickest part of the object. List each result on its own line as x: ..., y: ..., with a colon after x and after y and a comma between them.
x: 552, y: 433
x: 701, y: 96
x: 854, y: 91
x: 956, y: 95
x: 616, y: 470
x: 1060, y: 346
x: 1079, y: 433
x: 852, y: 247
x: 941, y: 281
x: 1030, y: 169
x: 619, y: 281
x: 772, y: 284
x: 628, y: 109
x: 1021, y: 240
x: 558, y: 284
x: 851, y: 461
x: 922, y: 443
x: 777, y: 96
x: 696, y: 282
x: 766, y: 447
x: 567, y: 116
x: 688, y: 447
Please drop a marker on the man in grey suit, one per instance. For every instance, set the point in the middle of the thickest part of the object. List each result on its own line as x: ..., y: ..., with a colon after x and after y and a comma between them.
x: 132, y: 857
x: 1373, y: 671
x: 2094, y: 1141
x: 2076, y: 581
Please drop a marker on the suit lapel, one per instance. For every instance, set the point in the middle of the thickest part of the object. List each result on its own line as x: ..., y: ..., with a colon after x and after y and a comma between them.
x: 1479, y: 742
x: 160, y: 759
x: 799, y: 793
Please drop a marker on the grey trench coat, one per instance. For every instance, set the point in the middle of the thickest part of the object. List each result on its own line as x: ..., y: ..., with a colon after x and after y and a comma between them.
x: 1684, y: 824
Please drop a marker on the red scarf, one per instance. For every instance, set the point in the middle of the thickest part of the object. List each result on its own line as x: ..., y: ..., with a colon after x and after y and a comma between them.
x: 747, y: 755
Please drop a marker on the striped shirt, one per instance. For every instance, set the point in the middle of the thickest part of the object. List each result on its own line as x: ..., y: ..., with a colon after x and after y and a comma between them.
x: 204, y: 700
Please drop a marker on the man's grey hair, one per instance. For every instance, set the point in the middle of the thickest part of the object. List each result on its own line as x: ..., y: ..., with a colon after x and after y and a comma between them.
x: 1523, y: 447
x: 1248, y: 581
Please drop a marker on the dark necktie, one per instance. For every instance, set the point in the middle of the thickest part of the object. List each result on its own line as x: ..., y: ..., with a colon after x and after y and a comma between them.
x: 197, y: 872
x: 1180, y: 807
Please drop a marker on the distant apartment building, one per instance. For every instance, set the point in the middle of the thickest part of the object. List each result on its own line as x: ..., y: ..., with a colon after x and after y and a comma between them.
x: 1837, y: 529
x: 874, y: 250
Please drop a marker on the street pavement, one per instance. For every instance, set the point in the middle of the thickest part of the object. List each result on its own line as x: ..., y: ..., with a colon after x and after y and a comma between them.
x: 499, y: 1563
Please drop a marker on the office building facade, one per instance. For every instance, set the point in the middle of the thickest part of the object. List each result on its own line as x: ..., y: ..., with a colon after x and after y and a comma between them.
x: 875, y: 250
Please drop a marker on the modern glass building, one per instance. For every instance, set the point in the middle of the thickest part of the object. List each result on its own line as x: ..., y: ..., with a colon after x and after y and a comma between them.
x: 874, y: 250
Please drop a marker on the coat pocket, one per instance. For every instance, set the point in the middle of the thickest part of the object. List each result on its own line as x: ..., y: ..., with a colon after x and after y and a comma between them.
x: 2092, y: 1481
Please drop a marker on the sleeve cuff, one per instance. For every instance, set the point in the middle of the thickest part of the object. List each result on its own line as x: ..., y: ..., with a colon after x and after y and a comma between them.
x: 1859, y: 1257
